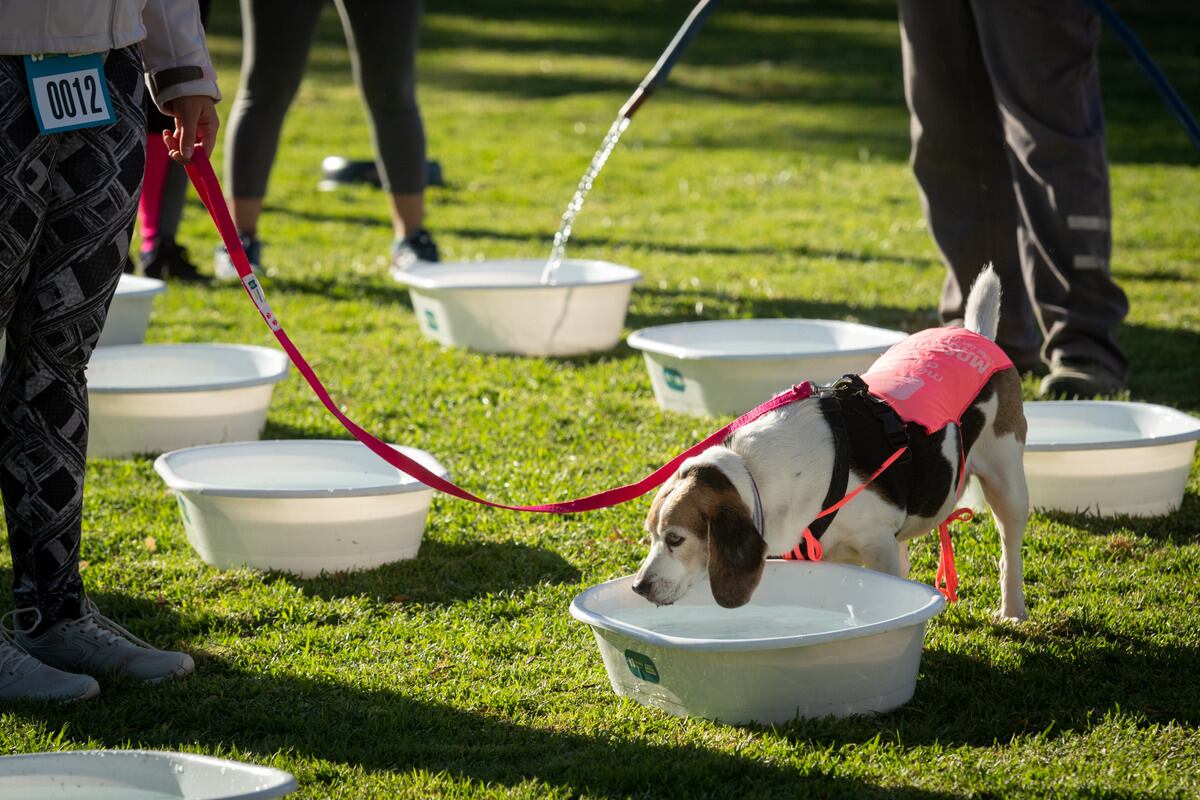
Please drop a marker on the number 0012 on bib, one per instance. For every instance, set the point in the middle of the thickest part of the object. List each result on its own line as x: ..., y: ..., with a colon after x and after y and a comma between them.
x: 68, y: 92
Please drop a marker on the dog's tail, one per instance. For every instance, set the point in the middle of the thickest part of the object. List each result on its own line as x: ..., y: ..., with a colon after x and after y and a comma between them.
x: 983, y: 304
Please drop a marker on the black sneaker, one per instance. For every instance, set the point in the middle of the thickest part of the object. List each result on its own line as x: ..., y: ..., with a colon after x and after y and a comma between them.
x: 408, y: 252
x: 1079, y: 378
x: 169, y: 261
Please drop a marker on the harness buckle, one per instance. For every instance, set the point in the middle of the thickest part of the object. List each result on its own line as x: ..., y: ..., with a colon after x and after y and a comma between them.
x: 894, y: 429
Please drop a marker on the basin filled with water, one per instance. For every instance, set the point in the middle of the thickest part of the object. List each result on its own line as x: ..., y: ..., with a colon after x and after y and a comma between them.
x: 506, y: 307
x: 1105, y: 457
x: 153, y: 398
x: 817, y: 639
x: 137, y: 775
x: 729, y: 366
x: 299, y: 506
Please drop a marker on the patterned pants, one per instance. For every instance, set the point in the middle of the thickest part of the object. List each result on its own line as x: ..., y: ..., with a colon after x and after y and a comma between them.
x: 67, y: 204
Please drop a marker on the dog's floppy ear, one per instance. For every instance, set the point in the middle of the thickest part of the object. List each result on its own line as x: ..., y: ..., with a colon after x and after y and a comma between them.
x: 736, y: 554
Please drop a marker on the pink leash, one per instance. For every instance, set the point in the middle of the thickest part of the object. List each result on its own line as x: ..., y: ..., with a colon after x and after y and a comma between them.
x: 209, y: 188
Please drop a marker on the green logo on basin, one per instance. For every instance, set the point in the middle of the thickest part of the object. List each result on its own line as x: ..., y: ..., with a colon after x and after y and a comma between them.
x: 431, y: 320
x: 673, y: 378
x: 641, y: 666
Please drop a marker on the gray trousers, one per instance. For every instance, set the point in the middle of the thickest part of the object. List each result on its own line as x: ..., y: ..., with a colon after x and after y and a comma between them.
x: 277, y: 34
x: 1008, y: 150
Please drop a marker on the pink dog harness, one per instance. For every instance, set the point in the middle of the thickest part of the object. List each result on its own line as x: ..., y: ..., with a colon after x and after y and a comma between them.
x: 930, y: 379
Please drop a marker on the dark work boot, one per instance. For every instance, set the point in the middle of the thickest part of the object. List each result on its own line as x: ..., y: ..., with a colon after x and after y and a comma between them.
x: 1079, y: 378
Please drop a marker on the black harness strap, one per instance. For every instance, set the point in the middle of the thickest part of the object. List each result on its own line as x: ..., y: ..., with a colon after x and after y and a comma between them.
x: 847, y: 390
x: 840, y: 478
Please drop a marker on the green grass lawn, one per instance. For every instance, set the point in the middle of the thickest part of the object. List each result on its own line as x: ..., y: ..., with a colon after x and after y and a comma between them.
x: 768, y: 179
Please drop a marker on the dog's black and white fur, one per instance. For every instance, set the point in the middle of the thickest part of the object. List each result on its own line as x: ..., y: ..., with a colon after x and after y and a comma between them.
x: 702, y: 519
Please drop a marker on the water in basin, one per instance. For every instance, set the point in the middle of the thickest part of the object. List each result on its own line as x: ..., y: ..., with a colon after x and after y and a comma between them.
x: 732, y: 624
x: 298, y: 477
x: 52, y: 787
x: 1062, y: 432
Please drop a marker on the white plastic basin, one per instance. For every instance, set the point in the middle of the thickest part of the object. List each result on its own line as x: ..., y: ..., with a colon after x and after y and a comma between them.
x: 816, y: 640
x: 301, y: 506
x: 152, y: 398
x: 129, y: 314
x: 1108, y: 457
x: 729, y: 366
x: 502, y: 306
x: 137, y: 775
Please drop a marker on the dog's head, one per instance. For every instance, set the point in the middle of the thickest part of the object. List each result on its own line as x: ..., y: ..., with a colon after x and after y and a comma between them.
x: 698, y: 523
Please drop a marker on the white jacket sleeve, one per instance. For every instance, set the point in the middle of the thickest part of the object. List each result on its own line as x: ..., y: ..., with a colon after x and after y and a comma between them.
x: 174, y: 52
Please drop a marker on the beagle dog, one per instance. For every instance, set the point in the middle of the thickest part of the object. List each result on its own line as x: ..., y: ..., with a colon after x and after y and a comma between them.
x: 726, y: 510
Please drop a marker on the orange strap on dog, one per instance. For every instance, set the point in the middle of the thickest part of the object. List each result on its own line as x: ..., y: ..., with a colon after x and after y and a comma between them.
x: 815, y: 551
x: 947, y: 574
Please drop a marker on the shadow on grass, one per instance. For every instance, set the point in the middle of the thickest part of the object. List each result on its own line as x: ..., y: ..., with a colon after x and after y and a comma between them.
x: 1066, y: 676
x: 1165, y: 364
x: 338, y: 287
x: 537, y: 240
x: 665, y: 306
x: 283, y: 430
x: 854, y: 66
x: 1179, y: 527
x: 817, y: 53
x: 448, y: 573
x: 357, y: 220
x: 224, y: 706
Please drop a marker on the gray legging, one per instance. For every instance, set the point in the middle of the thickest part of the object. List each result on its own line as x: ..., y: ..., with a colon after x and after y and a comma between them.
x: 277, y: 34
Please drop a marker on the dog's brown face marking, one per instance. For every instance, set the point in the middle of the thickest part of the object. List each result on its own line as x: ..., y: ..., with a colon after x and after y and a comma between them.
x: 679, y: 516
x: 688, y: 510
x: 676, y: 520
x: 1010, y: 412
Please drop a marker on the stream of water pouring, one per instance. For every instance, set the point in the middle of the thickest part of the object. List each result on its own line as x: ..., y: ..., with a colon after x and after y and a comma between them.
x: 585, y: 185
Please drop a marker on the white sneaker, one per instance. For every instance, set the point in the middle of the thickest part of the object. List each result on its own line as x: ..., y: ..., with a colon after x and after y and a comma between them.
x: 23, y: 677
x: 223, y: 268
x: 407, y: 253
x: 96, y: 645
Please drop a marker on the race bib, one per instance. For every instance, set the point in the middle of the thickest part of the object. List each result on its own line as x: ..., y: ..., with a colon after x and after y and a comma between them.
x: 68, y: 92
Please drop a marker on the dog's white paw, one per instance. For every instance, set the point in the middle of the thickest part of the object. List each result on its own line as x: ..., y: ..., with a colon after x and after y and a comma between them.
x: 1011, y: 615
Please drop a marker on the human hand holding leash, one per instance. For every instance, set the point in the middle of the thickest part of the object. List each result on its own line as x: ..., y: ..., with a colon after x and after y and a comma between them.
x: 195, y: 121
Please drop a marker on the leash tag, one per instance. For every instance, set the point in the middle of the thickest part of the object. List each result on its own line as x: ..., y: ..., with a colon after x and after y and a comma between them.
x: 255, y: 290
x: 68, y: 92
